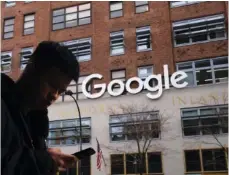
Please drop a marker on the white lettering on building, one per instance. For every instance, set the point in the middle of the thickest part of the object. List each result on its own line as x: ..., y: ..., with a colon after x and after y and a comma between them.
x: 175, y: 78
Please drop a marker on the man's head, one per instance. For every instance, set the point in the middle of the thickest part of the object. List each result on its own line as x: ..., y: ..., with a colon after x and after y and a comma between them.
x: 50, y: 70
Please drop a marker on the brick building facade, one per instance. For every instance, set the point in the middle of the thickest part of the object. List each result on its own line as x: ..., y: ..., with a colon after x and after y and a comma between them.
x: 120, y: 40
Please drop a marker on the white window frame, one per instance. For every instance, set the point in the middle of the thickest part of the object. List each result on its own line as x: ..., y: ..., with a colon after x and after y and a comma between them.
x: 186, y: 24
x: 29, y: 21
x: 183, y: 3
x: 121, y: 44
x: 24, y: 61
x: 10, y: 3
x: 111, y: 11
x: 212, y: 67
x: 143, y: 29
x: 5, y: 26
x: 146, y: 3
x: 74, y: 126
x: 81, y: 9
x: 75, y: 44
x: 3, y: 62
x: 199, y: 117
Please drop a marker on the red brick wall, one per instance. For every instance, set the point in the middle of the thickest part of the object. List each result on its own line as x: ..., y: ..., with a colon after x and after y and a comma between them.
x: 159, y: 18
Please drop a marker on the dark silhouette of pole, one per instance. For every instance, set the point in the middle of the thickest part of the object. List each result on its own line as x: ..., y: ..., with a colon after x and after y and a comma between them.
x: 70, y: 93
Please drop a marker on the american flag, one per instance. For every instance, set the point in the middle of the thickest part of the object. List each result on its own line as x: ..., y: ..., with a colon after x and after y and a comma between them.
x: 99, y: 156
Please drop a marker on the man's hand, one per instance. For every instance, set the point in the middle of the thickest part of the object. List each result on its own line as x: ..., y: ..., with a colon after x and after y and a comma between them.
x: 62, y: 160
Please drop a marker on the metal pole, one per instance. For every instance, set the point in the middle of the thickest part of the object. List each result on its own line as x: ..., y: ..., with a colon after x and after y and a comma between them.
x: 79, y: 162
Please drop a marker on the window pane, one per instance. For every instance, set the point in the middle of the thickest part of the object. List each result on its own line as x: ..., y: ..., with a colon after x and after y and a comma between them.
x: 69, y: 123
x: 191, y: 127
x: 137, y: 3
x: 183, y: 66
x: 28, y: 31
x: 8, y: 28
x: 71, y: 9
x: 29, y: 18
x: 213, y: 160
x: 8, y: 35
x: 208, y: 111
x: 84, y: 7
x: 117, y: 164
x: 58, y: 19
x: 58, y: 12
x: 9, y: 21
x: 70, y: 17
x: 116, y: 14
x: 71, y: 23
x: 202, y: 63
x: 58, y: 26
x: 118, y: 74
x: 182, y: 40
x: 200, y: 38
x: 141, y: 9
x: 220, y: 61
x: 204, y: 77
x: 154, y: 161
x: 192, y: 159
x: 29, y: 24
x: 115, y: 6
x: 190, y: 113
x: 210, y: 126
x: 217, y: 34
x: 221, y: 74
x: 84, y: 14
x: 85, y: 21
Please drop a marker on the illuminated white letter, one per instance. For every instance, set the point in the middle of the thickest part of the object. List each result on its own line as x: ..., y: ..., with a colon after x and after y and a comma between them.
x: 174, y: 80
x: 119, y: 91
x: 155, y: 88
x: 102, y: 86
x: 136, y: 90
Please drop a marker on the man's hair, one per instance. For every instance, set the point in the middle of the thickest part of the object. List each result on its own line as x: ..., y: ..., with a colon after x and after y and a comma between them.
x: 50, y: 54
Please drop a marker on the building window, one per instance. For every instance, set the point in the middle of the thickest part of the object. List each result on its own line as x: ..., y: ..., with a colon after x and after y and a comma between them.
x: 206, y: 71
x: 205, y: 120
x: 71, y: 16
x: 10, y: 3
x: 205, y: 29
x: 6, y: 59
x: 116, y: 9
x: 77, y: 89
x: 117, y: 43
x: 67, y: 132
x: 183, y: 3
x: 8, y: 28
x: 117, y: 164
x: 143, y: 39
x: 25, y: 56
x: 123, y: 126
x: 192, y: 160
x: 29, y: 23
x: 28, y: 1
x: 81, y: 48
x: 205, y: 160
x: 141, y: 6
x: 85, y: 168
x: 145, y: 71
x: 132, y: 164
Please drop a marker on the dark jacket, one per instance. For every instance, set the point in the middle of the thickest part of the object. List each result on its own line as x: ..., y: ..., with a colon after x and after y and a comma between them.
x: 23, y: 149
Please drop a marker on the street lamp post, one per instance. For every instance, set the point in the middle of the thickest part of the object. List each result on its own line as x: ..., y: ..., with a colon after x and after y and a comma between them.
x: 70, y: 93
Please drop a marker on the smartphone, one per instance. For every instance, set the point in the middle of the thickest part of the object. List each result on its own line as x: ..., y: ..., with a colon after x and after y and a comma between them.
x: 84, y: 153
